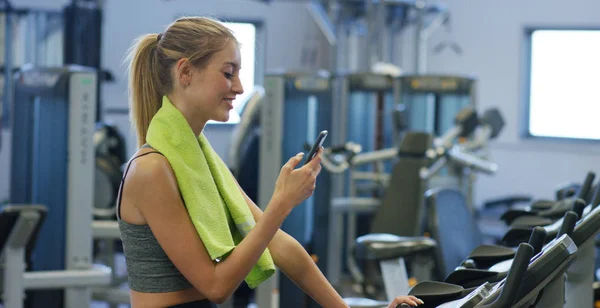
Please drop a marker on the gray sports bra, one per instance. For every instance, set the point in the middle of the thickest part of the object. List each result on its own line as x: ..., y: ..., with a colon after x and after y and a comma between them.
x: 149, y: 268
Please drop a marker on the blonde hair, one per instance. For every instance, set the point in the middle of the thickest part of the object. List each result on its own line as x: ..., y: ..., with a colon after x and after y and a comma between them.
x: 152, y: 56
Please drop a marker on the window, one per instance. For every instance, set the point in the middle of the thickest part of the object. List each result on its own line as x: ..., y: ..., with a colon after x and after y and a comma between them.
x: 246, y: 34
x: 563, y: 93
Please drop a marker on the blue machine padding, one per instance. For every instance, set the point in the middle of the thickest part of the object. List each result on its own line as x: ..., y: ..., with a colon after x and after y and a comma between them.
x: 307, y: 225
x: 39, y: 170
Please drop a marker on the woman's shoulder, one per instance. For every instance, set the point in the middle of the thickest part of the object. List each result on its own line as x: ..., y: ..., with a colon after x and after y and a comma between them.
x: 147, y: 163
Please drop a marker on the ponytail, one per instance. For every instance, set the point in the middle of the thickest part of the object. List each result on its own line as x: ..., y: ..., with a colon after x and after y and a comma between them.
x: 144, y: 89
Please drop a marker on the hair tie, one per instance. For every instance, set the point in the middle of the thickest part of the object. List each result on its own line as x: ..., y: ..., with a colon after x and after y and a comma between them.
x: 158, y: 37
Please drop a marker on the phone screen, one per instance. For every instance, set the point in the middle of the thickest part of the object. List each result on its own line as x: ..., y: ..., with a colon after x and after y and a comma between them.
x: 318, y: 143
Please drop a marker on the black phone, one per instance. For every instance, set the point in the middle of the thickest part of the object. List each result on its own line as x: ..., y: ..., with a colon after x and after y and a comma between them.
x: 318, y: 143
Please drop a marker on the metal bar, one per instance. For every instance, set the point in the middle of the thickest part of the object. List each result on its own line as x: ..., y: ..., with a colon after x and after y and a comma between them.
x: 420, y: 40
x: 40, y: 280
x: 372, y: 176
x: 80, y: 169
x: 8, y: 63
x: 355, y: 204
x: 469, y: 160
x: 428, y: 173
x: 13, y: 277
x: 267, y: 294
x: 105, y: 229
x: 374, y: 156
x: 319, y: 15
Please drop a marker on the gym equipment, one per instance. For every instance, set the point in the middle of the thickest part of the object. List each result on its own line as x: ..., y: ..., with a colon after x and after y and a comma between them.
x: 244, y: 141
x: 488, y: 263
x: 544, y: 213
x: 541, y: 286
x: 53, y: 165
x: 409, y: 177
x: 52, y: 38
x: 365, y: 98
x: 297, y: 106
x: 110, y: 155
x: 515, y: 232
x: 447, y: 219
x: 20, y: 228
x: 432, y: 100
x: 445, y: 198
x: 490, y: 124
x: 579, y: 288
x: 358, y: 31
x: 555, y: 296
x: 580, y: 277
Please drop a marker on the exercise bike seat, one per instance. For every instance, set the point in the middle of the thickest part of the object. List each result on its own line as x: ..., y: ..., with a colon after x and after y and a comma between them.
x: 560, y: 208
x: 519, y: 234
x: 472, y: 277
x: 551, y: 210
x: 532, y: 221
x: 510, y: 215
x: 486, y: 255
x: 381, y: 246
x: 541, y: 205
x: 434, y: 293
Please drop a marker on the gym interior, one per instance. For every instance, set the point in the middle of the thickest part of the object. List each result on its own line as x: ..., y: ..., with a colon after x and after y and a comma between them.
x: 449, y: 171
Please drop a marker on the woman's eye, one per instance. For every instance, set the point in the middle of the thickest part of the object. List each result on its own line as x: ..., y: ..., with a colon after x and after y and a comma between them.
x: 228, y: 75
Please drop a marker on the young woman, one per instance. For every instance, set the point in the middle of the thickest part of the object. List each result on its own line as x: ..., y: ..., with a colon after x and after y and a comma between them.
x: 195, y: 63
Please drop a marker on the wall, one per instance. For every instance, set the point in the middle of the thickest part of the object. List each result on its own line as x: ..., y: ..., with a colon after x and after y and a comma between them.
x: 289, y: 29
x: 491, y: 35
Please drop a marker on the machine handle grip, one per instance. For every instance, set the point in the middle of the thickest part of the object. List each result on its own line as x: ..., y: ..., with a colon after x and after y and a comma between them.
x: 515, y: 276
x: 578, y: 207
x: 596, y: 198
x: 587, y: 185
x: 568, y: 224
x: 472, y: 161
x: 537, y: 239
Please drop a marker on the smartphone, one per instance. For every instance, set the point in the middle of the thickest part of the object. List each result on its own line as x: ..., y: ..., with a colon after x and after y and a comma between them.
x: 318, y: 143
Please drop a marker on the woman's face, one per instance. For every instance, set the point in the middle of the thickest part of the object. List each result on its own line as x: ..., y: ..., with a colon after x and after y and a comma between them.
x: 211, y: 90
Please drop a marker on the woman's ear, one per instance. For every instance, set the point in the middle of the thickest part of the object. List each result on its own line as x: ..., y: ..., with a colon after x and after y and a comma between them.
x: 184, y: 72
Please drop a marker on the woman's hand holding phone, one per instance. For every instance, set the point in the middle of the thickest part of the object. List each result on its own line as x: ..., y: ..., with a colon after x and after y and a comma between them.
x: 294, y: 185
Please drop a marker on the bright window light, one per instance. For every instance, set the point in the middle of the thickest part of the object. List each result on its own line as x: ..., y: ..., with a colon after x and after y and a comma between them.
x: 564, y: 96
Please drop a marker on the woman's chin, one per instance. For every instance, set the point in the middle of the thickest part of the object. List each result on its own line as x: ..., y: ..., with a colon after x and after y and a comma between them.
x: 223, y: 118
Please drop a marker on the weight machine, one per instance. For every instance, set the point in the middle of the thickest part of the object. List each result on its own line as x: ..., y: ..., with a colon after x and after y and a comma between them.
x: 417, y: 160
x: 50, y: 38
x: 53, y: 166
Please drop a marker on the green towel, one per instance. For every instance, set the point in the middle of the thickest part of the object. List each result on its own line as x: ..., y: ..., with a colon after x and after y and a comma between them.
x: 209, y: 191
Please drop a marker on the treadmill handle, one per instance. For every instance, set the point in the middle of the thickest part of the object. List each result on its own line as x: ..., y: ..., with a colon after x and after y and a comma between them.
x: 515, y: 276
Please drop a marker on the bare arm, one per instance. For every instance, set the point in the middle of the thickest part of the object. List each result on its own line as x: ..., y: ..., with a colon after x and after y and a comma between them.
x: 153, y: 186
x: 289, y: 255
x: 296, y: 263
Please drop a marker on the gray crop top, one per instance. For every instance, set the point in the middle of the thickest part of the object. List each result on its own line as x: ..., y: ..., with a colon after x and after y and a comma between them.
x: 149, y: 268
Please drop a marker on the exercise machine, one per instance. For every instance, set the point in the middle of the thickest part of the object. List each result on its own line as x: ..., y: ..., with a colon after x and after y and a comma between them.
x: 416, y: 161
x: 52, y: 38
x: 489, y: 264
x: 545, y: 213
x: 296, y: 105
x: 544, y: 271
x: 541, y: 286
x: 366, y: 98
x: 20, y: 228
x: 110, y: 156
x: 53, y: 165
